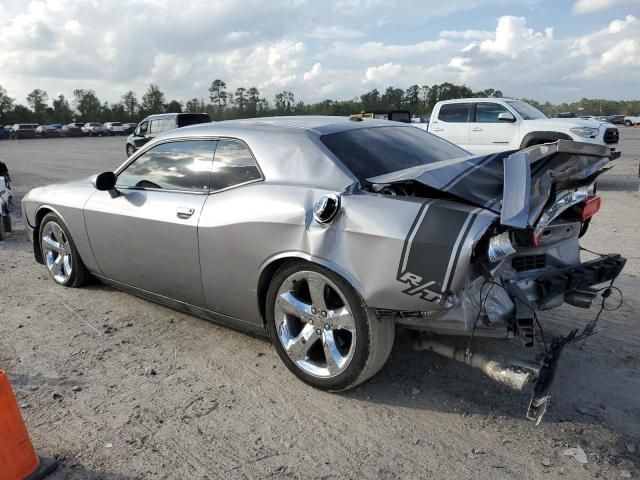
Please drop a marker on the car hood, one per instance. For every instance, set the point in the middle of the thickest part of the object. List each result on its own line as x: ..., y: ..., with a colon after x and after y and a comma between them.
x: 515, y: 184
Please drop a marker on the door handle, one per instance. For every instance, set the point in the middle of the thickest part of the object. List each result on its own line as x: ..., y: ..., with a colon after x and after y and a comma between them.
x: 476, y: 129
x: 438, y: 129
x: 184, y: 212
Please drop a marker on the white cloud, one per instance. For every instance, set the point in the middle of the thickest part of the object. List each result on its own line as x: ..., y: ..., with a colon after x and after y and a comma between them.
x: 386, y: 74
x: 315, y: 49
x: 591, y: 6
x: 513, y: 37
x: 466, y: 34
x: 314, y: 73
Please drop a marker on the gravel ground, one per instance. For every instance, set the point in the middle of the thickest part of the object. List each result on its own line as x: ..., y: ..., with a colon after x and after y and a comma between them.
x: 120, y: 388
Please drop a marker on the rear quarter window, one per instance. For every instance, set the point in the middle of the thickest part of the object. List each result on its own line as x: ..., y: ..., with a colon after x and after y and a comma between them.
x: 369, y: 152
x: 233, y: 165
x: 455, y: 112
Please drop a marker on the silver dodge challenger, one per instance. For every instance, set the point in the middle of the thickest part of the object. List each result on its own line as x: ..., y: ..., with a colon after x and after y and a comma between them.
x: 325, y: 232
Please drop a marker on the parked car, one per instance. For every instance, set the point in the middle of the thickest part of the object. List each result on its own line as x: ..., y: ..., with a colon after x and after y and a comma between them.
x: 4, y: 132
x: 630, y: 120
x: 128, y: 127
x: 114, y: 128
x: 154, y: 125
x: 48, y: 131
x: 615, y: 119
x: 324, y: 232
x: 393, y: 115
x: 94, y: 129
x: 6, y: 200
x: 489, y: 125
x: 72, y: 130
x: 23, y: 130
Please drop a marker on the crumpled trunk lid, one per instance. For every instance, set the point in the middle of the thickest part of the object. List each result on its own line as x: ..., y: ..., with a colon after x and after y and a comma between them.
x: 517, y: 185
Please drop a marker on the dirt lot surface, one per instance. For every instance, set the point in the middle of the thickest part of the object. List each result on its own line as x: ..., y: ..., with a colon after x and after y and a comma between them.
x: 120, y: 388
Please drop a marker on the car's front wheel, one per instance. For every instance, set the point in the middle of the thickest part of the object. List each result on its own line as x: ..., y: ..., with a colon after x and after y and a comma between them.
x: 323, y: 330
x: 60, y: 254
x: 627, y: 123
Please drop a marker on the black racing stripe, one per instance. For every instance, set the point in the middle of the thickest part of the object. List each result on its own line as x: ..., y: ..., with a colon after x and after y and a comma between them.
x: 432, y: 246
x: 414, y: 225
x: 467, y: 171
x: 457, y: 257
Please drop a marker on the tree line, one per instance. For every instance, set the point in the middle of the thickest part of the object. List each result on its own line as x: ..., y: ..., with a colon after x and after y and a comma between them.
x: 223, y: 104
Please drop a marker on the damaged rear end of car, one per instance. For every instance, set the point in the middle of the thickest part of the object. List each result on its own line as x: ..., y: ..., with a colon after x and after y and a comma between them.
x: 497, y: 240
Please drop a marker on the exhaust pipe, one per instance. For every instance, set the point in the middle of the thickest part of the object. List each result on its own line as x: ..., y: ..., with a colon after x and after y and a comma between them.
x: 515, y: 375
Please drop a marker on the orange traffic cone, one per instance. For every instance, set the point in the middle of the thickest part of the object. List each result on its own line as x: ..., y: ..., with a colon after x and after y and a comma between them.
x: 18, y: 460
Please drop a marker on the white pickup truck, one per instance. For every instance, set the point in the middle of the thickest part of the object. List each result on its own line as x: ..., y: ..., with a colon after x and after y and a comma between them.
x: 489, y: 125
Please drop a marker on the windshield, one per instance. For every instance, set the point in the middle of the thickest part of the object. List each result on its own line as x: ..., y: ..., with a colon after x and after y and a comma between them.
x: 369, y: 152
x: 526, y: 111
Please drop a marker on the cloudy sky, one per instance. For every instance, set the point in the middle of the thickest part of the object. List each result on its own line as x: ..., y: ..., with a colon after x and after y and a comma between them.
x: 544, y: 49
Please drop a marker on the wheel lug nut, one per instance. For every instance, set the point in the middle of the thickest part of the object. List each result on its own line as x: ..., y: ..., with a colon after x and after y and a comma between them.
x: 324, y: 314
x: 313, y: 310
x: 311, y: 321
x: 326, y: 326
x: 318, y: 331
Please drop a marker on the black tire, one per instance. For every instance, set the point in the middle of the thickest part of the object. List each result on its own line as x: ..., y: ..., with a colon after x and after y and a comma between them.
x: 79, y: 274
x: 3, y: 234
x: 6, y: 222
x: 374, y: 336
x: 627, y: 123
x: 130, y: 150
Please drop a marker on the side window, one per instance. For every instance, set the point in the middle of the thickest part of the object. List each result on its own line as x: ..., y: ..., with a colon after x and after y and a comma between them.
x: 455, y: 112
x: 233, y: 164
x: 168, y: 124
x: 182, y: 166
x: 154, y: 127
x: 143, y: 128
x: 487, y: 112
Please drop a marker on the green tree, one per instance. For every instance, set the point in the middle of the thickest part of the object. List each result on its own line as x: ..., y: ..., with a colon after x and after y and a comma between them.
x: 284, y: 101
x: 370, y: 100
x: 195, y: 105
x: 87, y: 105
x: 253, y: 98
x: 218, y: 94
x: 392, y: 98
x: 152, y: 100
x: 412, y: 97
x: 38, y: 101
x: 62, y: 112
x: 174, y: 106
x: 130, y: 102
x: 6, y: 104
x: 241, y: 99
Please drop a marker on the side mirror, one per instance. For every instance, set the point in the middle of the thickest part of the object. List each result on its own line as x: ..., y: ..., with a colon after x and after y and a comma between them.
x: 104, y: 181
x: 506, y: 117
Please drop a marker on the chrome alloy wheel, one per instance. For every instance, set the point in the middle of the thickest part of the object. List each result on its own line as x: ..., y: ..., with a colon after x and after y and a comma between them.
x: 56, y: 251
x: 315, y: 324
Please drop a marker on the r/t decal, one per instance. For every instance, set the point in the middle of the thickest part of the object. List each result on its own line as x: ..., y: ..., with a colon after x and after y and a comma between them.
x: 417, y: 287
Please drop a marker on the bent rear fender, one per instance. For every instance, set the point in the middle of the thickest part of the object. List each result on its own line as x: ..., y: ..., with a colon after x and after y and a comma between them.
x: 406, y: 253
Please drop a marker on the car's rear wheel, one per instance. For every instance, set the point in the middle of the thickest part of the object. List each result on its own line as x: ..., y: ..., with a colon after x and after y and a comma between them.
x: 323, y: 330
x: 627, y: 123
x: 130, y: 150
x: 6, y: 222
x: 60, y: 254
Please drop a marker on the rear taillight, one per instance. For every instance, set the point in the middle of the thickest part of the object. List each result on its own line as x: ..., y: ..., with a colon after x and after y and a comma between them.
x: 589, y: 207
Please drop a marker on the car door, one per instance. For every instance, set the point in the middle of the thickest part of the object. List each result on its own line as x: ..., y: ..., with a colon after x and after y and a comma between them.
x: 147, y: 235
x: 227, y: 234
x: 453, y: 123
x: 141, y: 134
x: 489, y: 134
